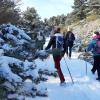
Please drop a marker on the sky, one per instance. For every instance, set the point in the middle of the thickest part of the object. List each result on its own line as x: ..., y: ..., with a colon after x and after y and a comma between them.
x: 48, y: 8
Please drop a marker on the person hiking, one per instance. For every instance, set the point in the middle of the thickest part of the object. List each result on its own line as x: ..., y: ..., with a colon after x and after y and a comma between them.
x: 69, y: 38
x: 96, y: 35
x: 58, y: 49
x: 94, y: 46
x: 40, y: 40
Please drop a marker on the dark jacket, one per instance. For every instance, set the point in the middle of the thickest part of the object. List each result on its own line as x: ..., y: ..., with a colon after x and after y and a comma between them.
x: 69, y: 38
x: 52, y: 43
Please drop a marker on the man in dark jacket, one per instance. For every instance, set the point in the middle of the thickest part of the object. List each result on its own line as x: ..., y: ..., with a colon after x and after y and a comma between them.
x: 69, y: 38
x: 57, y: 55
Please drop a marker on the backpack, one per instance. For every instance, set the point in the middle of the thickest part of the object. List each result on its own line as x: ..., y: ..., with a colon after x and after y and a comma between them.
x: 59, y: 42
x: 59, y: 39
x: 98, y: 45
x: 71, y: 37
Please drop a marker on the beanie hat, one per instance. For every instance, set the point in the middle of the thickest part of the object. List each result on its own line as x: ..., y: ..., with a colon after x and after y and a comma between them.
x: 97, y: 33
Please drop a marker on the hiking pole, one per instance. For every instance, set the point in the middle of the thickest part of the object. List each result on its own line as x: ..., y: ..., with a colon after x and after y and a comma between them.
x: 86, y: 66
x: 69, y: 70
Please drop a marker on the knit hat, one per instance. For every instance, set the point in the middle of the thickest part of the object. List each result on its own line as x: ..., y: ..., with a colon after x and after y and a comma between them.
x: 97, y: 33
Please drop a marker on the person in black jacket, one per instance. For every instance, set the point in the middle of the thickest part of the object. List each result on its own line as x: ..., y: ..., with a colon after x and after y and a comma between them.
x: 57, y: 56
x: 69, y: 38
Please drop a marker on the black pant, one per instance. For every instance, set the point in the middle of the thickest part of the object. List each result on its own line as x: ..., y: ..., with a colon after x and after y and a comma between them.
x: 69, y: 50
x: 96, y: 65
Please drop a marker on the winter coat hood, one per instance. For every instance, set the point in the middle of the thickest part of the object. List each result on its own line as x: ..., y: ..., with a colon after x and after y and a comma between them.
x: 96, y: 36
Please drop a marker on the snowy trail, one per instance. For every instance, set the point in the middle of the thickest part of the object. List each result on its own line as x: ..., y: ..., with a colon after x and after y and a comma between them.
x: 85, y: 86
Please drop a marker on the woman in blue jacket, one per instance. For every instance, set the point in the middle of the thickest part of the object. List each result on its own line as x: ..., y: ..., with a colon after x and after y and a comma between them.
x: 93, y: 46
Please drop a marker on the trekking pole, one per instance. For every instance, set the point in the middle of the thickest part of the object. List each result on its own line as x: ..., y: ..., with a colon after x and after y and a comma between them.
x: 69, y: 71
x: 86, y: 67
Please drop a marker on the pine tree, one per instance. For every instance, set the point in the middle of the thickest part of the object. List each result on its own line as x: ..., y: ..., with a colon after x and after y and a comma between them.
x: 94, y: 6
x: 79, y: 7
x: 30, y: 16
x: 9, y: 11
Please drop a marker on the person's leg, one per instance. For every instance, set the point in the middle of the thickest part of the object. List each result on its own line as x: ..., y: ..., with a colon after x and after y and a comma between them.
x: 67, y: 50
x: 97, y: 64
x: 57, y: 66
x: 70, y: 51
x: 94, y: 66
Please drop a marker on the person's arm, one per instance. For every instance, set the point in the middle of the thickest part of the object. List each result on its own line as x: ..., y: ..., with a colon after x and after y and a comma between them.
x: 90, y: 46
x: 50, y: 43
x: 73, y: 37
x: 66, y: 36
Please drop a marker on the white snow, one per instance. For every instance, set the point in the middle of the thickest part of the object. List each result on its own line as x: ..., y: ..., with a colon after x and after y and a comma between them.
x: 21, y: 32
x: 6, y: 47
x: 85, y: 86
x: 6, y: 71
x: 1, y: 52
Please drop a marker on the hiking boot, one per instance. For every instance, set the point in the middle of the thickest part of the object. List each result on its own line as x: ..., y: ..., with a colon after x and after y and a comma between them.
x: 98, y: 78
x: 93, y: 72
x: 63, y: 84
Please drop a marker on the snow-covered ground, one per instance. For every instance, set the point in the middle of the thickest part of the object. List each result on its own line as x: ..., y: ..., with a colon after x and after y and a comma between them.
x: 85, y: 86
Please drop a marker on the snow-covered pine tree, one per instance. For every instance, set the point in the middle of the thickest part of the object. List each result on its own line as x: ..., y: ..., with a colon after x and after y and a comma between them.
x: 17, y: 64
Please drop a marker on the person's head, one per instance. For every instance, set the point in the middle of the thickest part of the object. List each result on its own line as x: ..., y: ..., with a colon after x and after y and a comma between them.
x: 69, y: 29
x: 97, y: 33
x: 57, y: 30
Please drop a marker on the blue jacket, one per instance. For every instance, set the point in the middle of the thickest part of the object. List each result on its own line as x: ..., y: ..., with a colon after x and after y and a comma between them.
x: 92, y: 47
